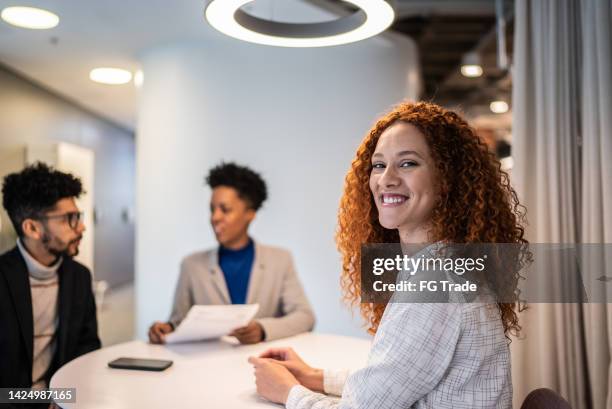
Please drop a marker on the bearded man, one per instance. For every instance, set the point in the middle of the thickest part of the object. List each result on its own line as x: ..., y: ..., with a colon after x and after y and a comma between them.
x: 47, y: 308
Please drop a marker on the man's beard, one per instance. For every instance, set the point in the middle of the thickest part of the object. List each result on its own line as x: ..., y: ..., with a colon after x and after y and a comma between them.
x: 47, y: 242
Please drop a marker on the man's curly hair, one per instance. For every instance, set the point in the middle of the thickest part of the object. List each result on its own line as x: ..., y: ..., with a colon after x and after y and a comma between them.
x: 476, y: 202
x: 36, y: 190
x: 249, y: 185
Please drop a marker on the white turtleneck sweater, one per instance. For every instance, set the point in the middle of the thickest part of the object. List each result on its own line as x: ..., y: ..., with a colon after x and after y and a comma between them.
x: 44, y: 287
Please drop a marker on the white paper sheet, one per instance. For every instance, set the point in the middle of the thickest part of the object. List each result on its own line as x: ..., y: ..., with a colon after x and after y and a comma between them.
x: 211, y: 321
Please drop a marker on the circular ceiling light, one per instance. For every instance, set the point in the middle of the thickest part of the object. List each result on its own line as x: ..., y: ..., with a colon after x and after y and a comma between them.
x: 499, y: 107
x: 111, y: 76
x: 373, y: 17
x: 30, y: 17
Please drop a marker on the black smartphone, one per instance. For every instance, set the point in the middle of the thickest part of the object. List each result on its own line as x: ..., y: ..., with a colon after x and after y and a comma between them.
x: 140, y: 364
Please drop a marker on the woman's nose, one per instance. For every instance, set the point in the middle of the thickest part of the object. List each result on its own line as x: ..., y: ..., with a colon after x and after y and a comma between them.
x: 389, y: 178
x: 215, y: 216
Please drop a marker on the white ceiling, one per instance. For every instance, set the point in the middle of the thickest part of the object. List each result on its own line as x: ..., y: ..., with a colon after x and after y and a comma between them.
x: 95, y: 33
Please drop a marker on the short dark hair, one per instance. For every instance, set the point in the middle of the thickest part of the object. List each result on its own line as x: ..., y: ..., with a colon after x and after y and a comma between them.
x: 249, y: 185
x: 36, y: 189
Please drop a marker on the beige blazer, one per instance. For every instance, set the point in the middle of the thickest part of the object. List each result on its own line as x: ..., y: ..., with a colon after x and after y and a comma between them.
x: 284, y: 309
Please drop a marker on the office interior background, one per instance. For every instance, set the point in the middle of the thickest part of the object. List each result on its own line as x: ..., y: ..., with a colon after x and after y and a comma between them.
x: 533, y: 77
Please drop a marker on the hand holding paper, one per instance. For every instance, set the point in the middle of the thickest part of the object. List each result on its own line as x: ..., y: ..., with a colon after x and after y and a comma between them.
x: 212, y: 321
x: 249, y: 334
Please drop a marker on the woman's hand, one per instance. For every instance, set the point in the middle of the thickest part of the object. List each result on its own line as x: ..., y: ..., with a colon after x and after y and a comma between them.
x: 158, y: 331
x: 250, y: 334
x: 308, y: 376
x: 274, y: 381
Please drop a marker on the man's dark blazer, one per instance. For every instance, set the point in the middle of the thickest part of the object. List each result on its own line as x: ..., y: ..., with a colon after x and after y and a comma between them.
x: 77, y: 332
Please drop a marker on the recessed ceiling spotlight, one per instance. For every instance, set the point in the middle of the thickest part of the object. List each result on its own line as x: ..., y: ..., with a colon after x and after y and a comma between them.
x: 470, y: 65
x: 471, y: 70
x: 111, y: 76
x: 30, y: 17
x: 499, y: 107
x: 372, y: 18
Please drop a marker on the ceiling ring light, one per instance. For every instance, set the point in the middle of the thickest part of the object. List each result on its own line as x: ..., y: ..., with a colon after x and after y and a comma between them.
x: 372, y: 18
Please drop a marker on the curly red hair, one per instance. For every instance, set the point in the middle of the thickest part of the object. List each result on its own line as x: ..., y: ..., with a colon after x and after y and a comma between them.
x: 476, y: 202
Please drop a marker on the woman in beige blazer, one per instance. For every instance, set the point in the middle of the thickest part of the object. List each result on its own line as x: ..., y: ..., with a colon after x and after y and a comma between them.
x: 222, y: 275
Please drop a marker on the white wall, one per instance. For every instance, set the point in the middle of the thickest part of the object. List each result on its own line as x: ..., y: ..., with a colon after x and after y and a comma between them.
x: 80, y: 162
x: 295, y: 115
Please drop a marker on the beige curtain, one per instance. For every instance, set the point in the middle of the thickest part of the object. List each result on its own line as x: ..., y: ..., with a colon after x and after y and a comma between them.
x: 562, y: 150
x: 597, y: 184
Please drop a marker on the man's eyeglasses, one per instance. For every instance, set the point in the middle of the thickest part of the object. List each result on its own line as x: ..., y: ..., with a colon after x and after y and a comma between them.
x: 73, y: 218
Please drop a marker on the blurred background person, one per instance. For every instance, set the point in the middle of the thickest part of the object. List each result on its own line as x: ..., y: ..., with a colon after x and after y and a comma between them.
x: 47, y: 309
x: 240, y: 271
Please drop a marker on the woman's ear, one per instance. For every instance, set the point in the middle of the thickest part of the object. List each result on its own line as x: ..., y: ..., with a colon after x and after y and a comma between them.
x: 251, y: 214
x: 32, y: 229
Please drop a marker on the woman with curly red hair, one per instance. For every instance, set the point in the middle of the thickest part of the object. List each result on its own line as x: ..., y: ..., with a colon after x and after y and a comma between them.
x: 420, y: 176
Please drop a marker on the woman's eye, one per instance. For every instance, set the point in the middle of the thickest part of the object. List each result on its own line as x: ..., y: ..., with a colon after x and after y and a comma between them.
x: 378, y: 165
x: 408, y: 164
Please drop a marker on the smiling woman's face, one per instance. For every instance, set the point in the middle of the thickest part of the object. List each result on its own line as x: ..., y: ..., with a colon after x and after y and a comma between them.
x: 402, y: 181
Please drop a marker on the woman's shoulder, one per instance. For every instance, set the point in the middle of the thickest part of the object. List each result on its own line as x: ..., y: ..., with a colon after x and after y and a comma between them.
x: 465, y: 316
x: 199, y: 257
x: 272, y: 250
x: 477, y: 316
x: 422, y: 315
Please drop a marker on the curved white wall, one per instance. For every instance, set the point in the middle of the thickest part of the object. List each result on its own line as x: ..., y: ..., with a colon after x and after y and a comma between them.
x: 295, y: 115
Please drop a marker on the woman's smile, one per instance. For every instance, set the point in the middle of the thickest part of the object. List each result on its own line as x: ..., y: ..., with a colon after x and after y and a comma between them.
x: 393, y: 199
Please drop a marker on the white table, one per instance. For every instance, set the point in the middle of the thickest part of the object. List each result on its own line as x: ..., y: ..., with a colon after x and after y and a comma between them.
x: 205, y: 375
